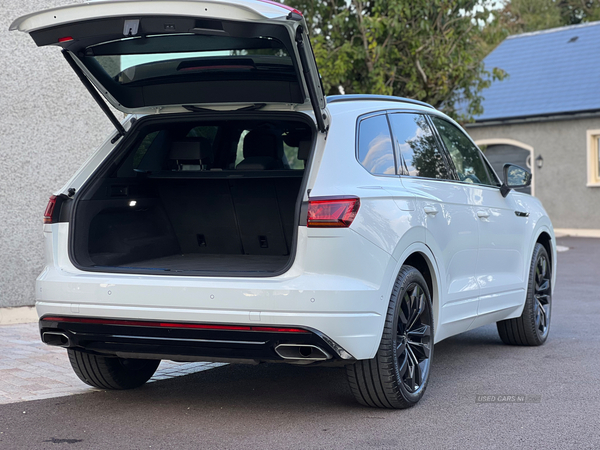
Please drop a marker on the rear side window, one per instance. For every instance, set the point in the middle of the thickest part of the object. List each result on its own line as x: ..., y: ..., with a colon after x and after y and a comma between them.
x: 143, y: 148
x: 419, y: 155
x: 375, y: 151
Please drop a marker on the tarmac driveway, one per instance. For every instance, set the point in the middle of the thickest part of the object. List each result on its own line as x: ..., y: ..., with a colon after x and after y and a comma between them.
x: 273, y: 406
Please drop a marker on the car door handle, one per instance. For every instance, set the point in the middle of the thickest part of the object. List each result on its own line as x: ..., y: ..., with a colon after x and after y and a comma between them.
x: 431, y: 210
x: 483, y: 214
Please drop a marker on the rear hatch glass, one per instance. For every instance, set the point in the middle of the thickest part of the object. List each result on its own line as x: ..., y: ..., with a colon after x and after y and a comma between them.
x: 242, y: 63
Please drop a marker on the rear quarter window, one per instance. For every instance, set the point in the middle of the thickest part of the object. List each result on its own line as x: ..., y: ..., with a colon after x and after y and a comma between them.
x: 375, y: 150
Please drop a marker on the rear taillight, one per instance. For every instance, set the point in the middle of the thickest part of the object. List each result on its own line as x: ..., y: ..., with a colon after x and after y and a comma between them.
x: 332, y: 212
x: 50, y: 209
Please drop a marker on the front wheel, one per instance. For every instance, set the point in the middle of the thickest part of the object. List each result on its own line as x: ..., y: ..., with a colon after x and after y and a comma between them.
x: 533, y: 326
x: 107, y: 372
x: 398, y: 374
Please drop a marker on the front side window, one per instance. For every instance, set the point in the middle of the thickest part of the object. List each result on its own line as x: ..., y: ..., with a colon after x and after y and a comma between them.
x: 375, y: 151
x: 465, y: 155
x: 419, y: 155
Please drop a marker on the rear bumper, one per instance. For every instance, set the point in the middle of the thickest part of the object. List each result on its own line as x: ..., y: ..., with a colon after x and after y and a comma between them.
x: 339, y: 286
x: 189, y: 341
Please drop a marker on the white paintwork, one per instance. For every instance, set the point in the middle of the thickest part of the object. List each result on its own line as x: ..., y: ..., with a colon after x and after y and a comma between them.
x: 341, y: 280
x: 238, y: 10
x: 452, y: 235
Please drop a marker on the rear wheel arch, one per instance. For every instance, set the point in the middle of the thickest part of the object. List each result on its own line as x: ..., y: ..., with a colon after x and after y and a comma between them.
x: 422, y: 259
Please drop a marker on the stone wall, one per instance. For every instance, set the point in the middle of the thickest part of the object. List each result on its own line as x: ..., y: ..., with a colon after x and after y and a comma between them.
x: 49, y: 126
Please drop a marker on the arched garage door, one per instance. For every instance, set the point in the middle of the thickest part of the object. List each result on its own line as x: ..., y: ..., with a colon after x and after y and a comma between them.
x: 500, y: 154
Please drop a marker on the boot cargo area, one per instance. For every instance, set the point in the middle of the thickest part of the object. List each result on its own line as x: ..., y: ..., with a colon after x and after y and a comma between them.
x: 196, y: 197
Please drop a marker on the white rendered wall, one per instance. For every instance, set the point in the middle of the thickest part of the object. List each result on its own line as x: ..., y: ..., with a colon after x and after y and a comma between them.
x: 49, y: 124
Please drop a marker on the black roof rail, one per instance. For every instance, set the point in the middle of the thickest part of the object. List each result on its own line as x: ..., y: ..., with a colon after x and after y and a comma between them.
x: 385, y: 98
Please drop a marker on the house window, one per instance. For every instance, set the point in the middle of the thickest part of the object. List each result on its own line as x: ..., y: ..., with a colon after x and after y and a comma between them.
x: 593, y: 153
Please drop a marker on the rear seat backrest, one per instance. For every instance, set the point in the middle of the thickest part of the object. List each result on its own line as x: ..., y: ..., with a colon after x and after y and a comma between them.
x: 193, y: 153
x: 263, y: 150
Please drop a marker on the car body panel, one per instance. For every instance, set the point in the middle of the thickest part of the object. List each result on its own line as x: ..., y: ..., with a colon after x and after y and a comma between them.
x: 452, y: 235
x: 346, y: 303
x: 242, y: 10
x: 501, y: 266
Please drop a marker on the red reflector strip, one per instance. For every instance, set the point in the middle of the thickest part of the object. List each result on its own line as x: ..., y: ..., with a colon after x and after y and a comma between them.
x: 332, y: 212
x: 197, y: 326
x: 49, y: 209
x: 280, y: 330
x: 65, y: 39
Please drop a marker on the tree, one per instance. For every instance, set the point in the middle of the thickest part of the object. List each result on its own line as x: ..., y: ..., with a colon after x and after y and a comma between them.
x: 577, y: 11
x: 521, y: 16
x: 429, y: 50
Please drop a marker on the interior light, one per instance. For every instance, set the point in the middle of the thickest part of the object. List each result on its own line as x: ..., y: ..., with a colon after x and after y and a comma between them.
x: 132, y: 203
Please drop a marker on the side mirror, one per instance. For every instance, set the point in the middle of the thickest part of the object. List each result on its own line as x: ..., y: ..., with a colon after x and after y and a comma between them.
x: 514, y: 177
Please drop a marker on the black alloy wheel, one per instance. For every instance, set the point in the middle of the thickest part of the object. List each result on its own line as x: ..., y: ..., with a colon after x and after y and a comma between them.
x: 398, y: 374
x: 541, y: 306
x: 533, y: 326
x: 413, y: 338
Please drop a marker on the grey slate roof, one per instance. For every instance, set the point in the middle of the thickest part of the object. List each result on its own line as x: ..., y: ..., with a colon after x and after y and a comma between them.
x: 551, y: 72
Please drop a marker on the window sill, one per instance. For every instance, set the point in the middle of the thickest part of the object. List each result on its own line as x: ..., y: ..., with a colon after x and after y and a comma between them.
x: 597, y: 184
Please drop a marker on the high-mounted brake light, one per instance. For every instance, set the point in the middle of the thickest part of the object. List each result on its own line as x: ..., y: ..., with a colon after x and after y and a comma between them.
x: 332, y: 212
x: 65, y: 39
x: 281, y: 5
x: 49, y: 209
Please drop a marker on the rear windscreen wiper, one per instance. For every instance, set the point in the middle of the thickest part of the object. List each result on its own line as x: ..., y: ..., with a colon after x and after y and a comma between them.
x: 254, y: 107
x: 197, y: 108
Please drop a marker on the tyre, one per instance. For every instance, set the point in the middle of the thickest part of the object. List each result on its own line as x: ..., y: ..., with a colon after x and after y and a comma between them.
x: 532, y: 327
x: 398, y: 374
x: 106, y: 372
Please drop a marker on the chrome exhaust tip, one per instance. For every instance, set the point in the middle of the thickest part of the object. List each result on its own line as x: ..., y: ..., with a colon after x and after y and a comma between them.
x: 56, y: 339
x: 302, y: 352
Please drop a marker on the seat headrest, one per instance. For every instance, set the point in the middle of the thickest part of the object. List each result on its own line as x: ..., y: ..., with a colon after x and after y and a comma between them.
x: 188, y: 149
x: 263, y: 142
x: 304, y: 150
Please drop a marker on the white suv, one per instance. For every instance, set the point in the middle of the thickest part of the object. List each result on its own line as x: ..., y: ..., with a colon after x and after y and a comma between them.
x: 238, y: 215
